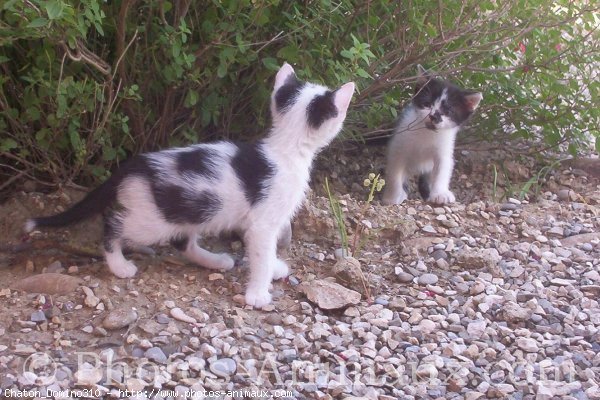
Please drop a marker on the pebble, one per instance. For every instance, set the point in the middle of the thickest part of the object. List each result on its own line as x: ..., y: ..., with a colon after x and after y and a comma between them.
x: 156, y: 354
x: 527, y: 344
x: 179, y: 315
x: 508, y: 207
x: 119, y: 318
x: 428, y: 229
x: 38, y: 316
x: 56, y: 266
x: 427, y: 326
x: 404, y: 277
x: 428, y: 279
x: 223, y: 367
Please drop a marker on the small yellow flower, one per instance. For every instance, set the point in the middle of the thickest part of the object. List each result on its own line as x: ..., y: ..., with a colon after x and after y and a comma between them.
x: 371, y: 176
x: 366, y: 182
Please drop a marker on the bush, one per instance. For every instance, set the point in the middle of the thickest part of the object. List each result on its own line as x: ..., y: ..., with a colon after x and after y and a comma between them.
x: 87, y: 83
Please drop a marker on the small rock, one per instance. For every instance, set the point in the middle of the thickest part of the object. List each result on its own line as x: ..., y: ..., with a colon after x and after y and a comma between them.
x: 527, y: 344
x: 566, y: 195
x: 427, y: 326
x: 215, y: 277
x: 508, y: 207
x: 439, y: 255
x: 515, y: 313
x: 56, y: 266
x: 90, y: 298
x: 223, y: 367
x: 156, y: 354
x: 329, y: 295
x: 38, y: 316
x: 476, y: 328
x: 349, y: 272
x: 404, y: 277
x: 87, y: 375
x: 179, y: 315
x: 562, y: 282
x: 119, y: 318
x: 428, y: 229
x: 428, y: 279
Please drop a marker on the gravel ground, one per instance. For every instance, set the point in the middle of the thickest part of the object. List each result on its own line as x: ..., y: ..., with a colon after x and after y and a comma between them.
x: 480, y: 299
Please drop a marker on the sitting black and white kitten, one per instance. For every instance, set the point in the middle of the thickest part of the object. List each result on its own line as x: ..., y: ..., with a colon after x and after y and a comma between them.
x: 423, y: 141
x: 178, y: 194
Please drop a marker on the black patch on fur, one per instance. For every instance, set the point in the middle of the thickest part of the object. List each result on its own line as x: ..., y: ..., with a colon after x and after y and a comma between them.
x: 427, y: 94
x: 98, y: 199
x: 180, y: 242
x: 423, y: 185
x: 455, y: 105
x: 287, y: 94
x: 181, y: 205
x: 196, y: 161
x: 253, y: 169
x: 177, y: 204
x: 321, y: 108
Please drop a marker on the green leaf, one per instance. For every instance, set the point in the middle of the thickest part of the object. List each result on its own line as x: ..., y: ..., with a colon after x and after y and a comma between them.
x: 38, y: 22
x: 8, y: 144
x: 191, y: 98
x: 270, y: 63
x: 222, y: 70
x: 347, y: 54
x: 109, y: 154
x: 362, y: 73
x: 54, y: 9
x: 4, y: 59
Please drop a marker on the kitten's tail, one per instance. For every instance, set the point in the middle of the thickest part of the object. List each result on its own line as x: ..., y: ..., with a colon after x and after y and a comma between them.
x: 93, y: 203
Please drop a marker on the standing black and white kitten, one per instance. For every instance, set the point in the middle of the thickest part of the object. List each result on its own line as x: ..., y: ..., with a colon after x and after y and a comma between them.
x: 178, y: 194
x: 423, y: 141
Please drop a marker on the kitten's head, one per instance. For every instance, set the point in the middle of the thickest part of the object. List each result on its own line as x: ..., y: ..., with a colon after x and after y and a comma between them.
x: 441, y: 104
x: 311, y: 112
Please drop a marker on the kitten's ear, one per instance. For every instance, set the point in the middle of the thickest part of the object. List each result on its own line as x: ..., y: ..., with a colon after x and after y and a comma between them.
x: 343, y: 96
x: 423, y: 76
x: 472, y: 100
x: 282, y: 75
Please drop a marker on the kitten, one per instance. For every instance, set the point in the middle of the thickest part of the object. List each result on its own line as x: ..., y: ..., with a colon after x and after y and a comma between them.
x: 178, y: 194
x: 423, y: 141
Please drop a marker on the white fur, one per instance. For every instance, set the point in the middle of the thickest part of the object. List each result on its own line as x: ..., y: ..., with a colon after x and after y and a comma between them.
x: 416, y: 149
x: 290, y: 146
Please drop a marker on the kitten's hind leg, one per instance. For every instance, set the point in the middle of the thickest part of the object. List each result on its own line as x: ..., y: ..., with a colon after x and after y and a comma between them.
x: 424, y: 186
x: 113, y: 251
x: 394, y: 190
x: 189, y: 246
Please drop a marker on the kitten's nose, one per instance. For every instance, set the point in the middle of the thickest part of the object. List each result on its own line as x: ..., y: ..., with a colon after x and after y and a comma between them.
x: 435, y: 117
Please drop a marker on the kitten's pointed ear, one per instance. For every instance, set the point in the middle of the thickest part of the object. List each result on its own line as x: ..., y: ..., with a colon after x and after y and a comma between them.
x: 422, y: 75
x: 472, y: 100
x: 284, y: 72
x: 343, y: 96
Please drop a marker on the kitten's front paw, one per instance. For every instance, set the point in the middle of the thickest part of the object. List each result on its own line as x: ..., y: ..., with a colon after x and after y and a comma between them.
x: 258, y: 298
x: 442, y: 197
x: 224, y: 262
x: 281, y: 270
x: 123, y: 270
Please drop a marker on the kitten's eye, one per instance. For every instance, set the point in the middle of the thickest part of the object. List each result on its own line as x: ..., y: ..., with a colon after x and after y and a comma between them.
x: 426, y: 104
